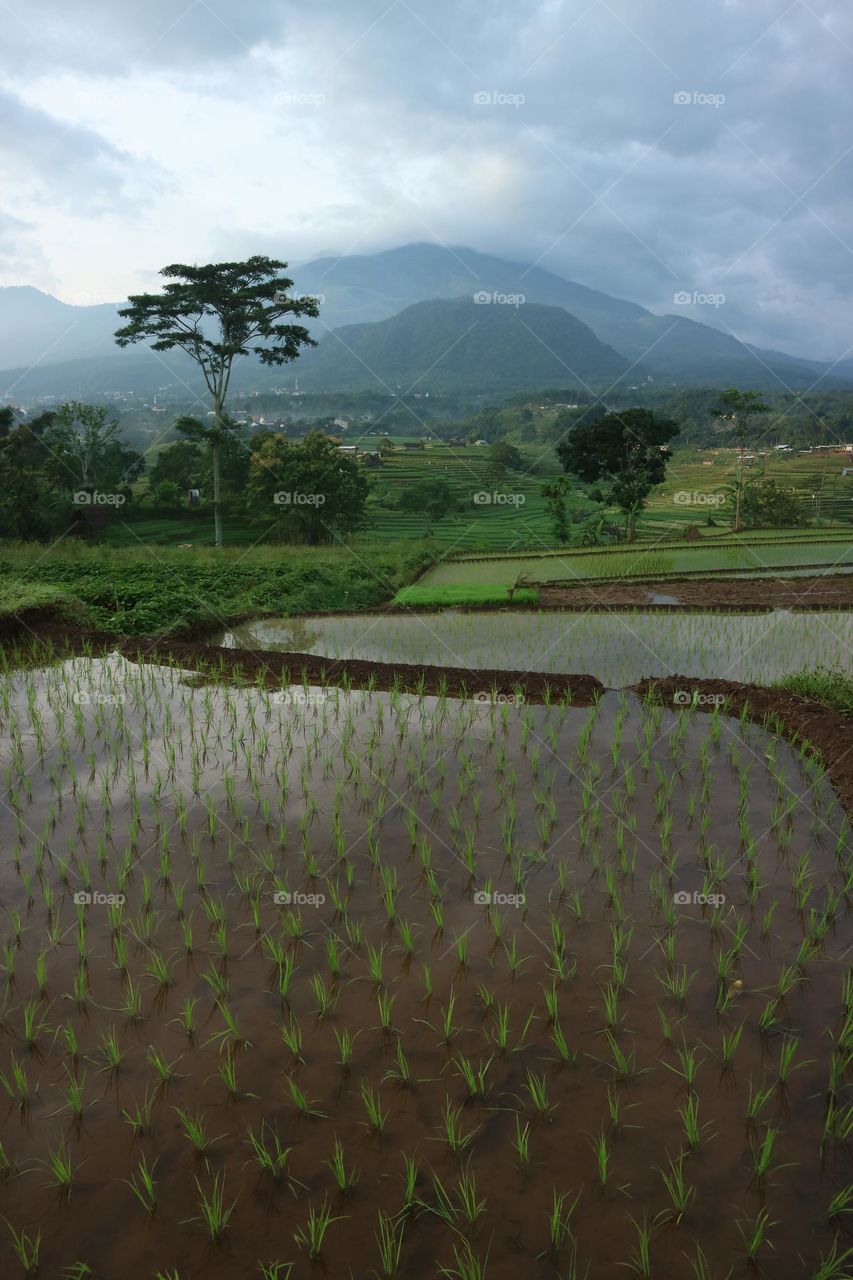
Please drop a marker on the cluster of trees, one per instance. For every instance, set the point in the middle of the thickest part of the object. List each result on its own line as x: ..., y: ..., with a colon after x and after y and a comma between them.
x: 623, y: 456
x: 60, y: 466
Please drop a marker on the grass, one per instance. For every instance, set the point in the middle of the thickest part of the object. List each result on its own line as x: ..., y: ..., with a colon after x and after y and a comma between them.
x: 830, y: 686
x: 139, y: 589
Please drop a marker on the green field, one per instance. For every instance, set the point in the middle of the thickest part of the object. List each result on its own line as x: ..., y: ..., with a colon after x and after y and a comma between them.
x: 823, y: 494
x: 140, y: 590
x: 514, y: 516
x: 725, y: 556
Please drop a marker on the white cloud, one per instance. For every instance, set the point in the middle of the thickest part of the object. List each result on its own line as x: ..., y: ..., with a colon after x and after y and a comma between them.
x: 149, y: 133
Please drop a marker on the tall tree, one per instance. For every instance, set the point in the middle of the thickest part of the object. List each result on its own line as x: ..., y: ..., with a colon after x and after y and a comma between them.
x: 624, y: 454
x: 740, y: 411
x: 214, y: 314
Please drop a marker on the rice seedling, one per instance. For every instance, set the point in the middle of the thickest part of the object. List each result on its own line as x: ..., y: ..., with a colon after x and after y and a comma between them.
x: 195, y: 1131
x: 833, y: 1265
x: 17, y: 1084
x: 27, y: 1248
x: 457, y: 1141
x: 755, y: 1232
x: 640, y: 1260
x: 214, y: 1213
x: 143, y: 1184
x: 468, y: 1266
x: 313, y: 1233
x: 680, y: 1193
x: 389, y: 1239
x: 345, y: 1178
x: 60, y: 1168
x: 139, y: 1118
x: 299, y: 1099
x: 376, y: 1117
x: 164, y: 1071
x: 471, y: 1206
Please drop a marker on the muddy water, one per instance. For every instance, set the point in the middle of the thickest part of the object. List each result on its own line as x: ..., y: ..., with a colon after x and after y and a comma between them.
x: 578, y: 809
x: 619, y: 648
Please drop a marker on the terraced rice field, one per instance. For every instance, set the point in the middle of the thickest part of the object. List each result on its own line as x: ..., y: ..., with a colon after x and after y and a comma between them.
x: 367, y: 984
x: 656, y: 560
x: 619, y: 648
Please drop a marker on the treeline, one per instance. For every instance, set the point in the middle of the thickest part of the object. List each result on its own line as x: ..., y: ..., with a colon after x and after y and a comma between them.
x: 69, y: 472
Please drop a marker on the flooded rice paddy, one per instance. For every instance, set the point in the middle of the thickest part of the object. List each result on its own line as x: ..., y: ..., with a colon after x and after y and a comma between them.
x: 370, y: 984
x: 618, y: 648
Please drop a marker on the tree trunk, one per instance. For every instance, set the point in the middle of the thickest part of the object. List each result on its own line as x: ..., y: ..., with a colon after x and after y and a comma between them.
x: 738, y: 491
x: 217, y: 511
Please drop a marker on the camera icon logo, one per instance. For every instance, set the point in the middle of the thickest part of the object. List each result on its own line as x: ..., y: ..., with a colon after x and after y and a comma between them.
x: 282, y: 899
x: 682, y: 99
x: 482, y: 898
x: 681, y: 898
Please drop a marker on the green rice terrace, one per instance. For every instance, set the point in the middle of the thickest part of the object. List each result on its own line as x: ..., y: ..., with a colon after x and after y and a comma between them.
x: 719, y: 556
x: 377, y: 961
x: 618, y: 648
x: 361, y: 983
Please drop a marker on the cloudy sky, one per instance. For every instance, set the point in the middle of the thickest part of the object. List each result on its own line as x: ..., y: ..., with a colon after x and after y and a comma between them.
x: 644, y: 147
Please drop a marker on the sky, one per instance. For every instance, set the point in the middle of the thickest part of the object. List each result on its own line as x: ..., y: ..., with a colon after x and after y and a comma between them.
x: 655, y: 149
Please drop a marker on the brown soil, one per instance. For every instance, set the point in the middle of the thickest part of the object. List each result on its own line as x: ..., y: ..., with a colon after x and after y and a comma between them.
x: 736, y: 594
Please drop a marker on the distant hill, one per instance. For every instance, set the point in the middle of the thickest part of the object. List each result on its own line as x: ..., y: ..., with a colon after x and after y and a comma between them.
x: 36, y: 328
x: 374, y: 286
x: 38, y: 333
x: 461, y: 344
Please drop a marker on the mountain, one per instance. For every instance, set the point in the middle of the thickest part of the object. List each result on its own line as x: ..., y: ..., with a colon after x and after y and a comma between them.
x: 462, y: 345
x: 374, y: 286
x: 38, y: 330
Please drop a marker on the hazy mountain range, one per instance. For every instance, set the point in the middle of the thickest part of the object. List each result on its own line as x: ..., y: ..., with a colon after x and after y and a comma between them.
x: 512, y: 327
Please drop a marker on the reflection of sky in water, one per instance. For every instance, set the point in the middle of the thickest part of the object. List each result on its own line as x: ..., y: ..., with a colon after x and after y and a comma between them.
x: 618, y: 648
